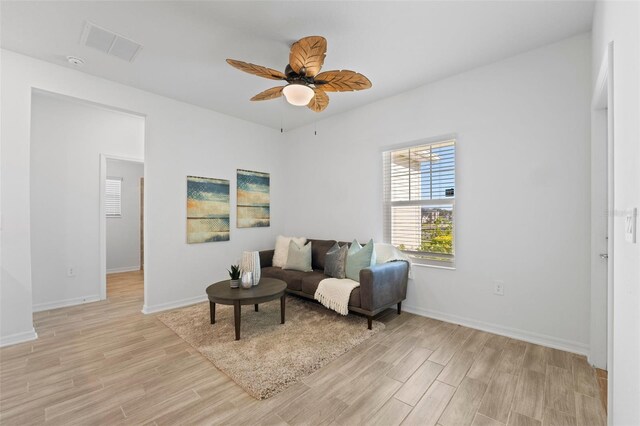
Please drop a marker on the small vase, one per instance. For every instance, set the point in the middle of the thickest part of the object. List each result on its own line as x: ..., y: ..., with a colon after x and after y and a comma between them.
x: 234, y: 283
x: 251, y: 263
x: 247, y: 280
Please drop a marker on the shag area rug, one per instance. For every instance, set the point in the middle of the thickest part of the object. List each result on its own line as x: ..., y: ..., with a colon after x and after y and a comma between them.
x: 270, y: 356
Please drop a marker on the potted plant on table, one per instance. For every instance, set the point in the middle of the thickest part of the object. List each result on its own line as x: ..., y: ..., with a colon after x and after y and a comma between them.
x: 234, y: 274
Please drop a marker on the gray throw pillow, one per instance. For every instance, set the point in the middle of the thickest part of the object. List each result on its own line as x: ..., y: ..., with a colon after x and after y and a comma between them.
x: 299, y: 257
x: 334, y: 263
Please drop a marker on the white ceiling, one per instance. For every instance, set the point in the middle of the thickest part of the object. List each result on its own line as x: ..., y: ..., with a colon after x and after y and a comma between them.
x: 398, y: 45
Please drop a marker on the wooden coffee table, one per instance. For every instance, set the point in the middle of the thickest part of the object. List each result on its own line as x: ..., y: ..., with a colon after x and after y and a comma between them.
x: 266, y: 290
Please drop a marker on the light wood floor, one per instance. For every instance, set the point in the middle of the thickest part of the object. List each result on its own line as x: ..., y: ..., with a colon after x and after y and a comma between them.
x: 106, y: 363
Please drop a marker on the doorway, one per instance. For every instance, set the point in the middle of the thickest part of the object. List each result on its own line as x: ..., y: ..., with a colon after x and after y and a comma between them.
x: 122, y: 223
x: 68, y: 138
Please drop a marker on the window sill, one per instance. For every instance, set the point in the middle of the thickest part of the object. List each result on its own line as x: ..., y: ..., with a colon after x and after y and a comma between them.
x: 427, y: 265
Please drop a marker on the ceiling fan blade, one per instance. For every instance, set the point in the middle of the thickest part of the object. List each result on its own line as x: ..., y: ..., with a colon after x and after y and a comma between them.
x: 307, y: 55
x: 319, y: 101
x: 258, y: 70
x: 273, y: 93
x: 341, y: 81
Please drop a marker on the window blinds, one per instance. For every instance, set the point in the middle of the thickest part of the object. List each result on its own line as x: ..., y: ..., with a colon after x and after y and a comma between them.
x: 419, y: 194
x: 113, y: 197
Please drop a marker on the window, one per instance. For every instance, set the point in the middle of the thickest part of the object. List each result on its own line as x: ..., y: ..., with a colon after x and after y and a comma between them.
x: 419, y: 201
x: 113, y: 195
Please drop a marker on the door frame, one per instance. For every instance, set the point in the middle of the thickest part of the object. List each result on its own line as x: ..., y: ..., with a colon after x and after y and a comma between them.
x: 603, y: 100
x: 103, y: 217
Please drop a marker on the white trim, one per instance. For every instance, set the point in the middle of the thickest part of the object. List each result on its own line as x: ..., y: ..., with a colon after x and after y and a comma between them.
x: 173, y: 305
x: 527, y: 336
x: 610, y: 234
x: 428, y: 265
x: 103, y: 218
x: 83, y: 101
x: 14, y: 339
x: 123, y: 269
x: 39, y: 307
x: 600, y: 89
x: 422, y: 141
x: 602, y: 100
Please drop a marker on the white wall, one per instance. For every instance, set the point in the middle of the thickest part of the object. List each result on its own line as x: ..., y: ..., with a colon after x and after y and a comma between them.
x: 620, y: 22
x: 522, y: 195
x: 67, y: 138
x: 180, y: 140
x: 123, y: 233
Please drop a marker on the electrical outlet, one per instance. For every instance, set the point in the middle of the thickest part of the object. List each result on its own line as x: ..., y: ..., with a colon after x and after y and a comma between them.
x: 498, y: 288
x: 71, y: 271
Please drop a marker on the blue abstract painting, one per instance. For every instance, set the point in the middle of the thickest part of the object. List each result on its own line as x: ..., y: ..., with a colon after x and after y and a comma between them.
x: 207, y: 209
x: 253, y: 199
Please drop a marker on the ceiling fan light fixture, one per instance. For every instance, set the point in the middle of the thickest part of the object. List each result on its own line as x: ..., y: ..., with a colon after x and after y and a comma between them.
x: 298, y: 94
x: 307, y: 86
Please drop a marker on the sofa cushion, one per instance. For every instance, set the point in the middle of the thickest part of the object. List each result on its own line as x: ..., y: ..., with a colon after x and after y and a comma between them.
x: 299, y: 258
x: 311, y: 280
x: 319, y: 250
x: 292, y: 278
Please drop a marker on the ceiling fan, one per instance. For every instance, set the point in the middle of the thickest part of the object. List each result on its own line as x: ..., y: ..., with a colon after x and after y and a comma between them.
x: 307, y: 85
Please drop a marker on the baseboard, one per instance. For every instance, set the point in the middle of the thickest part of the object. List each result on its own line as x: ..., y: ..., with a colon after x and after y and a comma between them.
x: 527, y: 336
x: 124, y: 269
x: 173, y: 305
x: 596, y: 363
x: 64, y: 303
x: 14, y: 339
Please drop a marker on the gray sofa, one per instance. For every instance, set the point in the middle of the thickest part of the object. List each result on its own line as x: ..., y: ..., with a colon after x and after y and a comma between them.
x: 381, y: 286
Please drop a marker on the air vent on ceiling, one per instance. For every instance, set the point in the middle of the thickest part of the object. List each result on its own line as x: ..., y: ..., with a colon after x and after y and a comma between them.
x: 109, y: 42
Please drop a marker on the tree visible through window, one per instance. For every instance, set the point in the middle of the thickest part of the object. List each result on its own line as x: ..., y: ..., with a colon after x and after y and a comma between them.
x: 419, y: 198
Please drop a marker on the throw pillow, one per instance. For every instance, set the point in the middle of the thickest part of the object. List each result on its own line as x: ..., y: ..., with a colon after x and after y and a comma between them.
x: 299, y: 257
x: 334, y: 262
x: 282, y: 249
x: 358, y: 258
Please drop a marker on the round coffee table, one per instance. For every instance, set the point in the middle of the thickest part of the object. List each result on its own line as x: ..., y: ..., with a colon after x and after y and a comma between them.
x: 266, y: 290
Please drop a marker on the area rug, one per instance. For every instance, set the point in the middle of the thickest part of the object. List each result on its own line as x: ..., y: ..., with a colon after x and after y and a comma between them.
x: 270, y: 356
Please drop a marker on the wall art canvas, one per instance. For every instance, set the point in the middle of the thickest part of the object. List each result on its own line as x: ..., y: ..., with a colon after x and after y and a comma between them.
x: 207, y: 209
x: 253, y: 199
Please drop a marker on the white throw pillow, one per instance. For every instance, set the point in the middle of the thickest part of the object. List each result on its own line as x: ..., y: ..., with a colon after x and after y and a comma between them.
x: 282, y: 249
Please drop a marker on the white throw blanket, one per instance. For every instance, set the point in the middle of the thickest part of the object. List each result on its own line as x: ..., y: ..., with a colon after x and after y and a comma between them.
x: 334, y: 293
